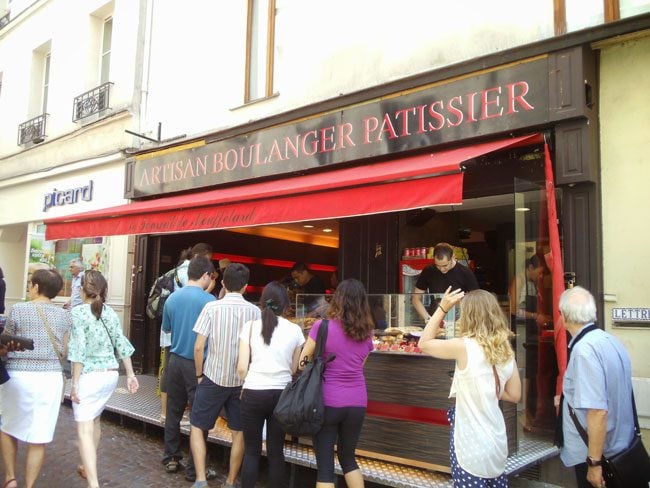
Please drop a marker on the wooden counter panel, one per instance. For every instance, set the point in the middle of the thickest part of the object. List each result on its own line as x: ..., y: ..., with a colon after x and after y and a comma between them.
x: 409, y: 380
x: 425, y: 443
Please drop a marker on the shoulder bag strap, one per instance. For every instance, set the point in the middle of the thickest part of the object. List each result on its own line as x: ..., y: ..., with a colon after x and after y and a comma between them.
x: 497, y: 381
x: 321, y: 339
x: 50, y: 334
x: 250, y: 346
x: 580, y: 428
x: 559, y: 432
x: 110, y: 338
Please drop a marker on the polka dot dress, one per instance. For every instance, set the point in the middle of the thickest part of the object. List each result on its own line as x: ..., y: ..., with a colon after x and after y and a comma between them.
x: 462, y: 479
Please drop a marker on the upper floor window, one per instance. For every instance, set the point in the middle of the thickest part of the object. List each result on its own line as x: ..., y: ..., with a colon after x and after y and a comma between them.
x: 0, y: 83
x: 260, y: 46
x: 106, y: 50
x: 46, y: 81
x: 39, y: 80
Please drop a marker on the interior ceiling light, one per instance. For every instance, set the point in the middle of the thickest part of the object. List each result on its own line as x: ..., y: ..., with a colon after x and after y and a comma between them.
x: 308, y: 226
x: 327, y: 230
x: 522, y: 209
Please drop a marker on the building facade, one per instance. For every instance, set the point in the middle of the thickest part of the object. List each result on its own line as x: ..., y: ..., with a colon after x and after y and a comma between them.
x: 162, y: 94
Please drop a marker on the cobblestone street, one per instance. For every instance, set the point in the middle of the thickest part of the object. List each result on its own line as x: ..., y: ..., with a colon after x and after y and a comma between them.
x: 127, y: 458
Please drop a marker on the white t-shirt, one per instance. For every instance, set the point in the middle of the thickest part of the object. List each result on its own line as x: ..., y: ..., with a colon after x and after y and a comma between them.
x: 181, y: 272
x: 480, y: 431
x: 270, y: 368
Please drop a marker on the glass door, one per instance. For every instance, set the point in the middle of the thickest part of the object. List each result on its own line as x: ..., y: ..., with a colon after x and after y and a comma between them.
x: 531, y: 305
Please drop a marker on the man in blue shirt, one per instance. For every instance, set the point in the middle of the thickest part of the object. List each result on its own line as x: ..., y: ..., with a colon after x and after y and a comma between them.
x: 77, y: 272
x: 598, y: 386
x: 179, y: 315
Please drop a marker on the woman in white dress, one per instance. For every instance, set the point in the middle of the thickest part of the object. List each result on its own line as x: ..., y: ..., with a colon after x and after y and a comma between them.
x: 32, y: 397
x: 95, y: 340
x: 485, y: 373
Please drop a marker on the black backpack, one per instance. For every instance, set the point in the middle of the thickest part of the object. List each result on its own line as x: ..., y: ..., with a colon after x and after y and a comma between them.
x: 160, y: 291
x: 300, y: 409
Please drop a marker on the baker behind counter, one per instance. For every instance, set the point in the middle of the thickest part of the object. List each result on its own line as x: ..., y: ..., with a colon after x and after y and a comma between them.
x: 444, y: 273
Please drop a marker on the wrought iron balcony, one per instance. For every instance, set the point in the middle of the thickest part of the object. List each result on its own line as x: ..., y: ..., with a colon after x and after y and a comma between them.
x: 32, y: 131
x: 4, y: 19
x: 92, y: 102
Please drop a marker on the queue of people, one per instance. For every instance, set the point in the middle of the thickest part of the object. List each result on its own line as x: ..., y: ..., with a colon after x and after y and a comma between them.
x: 229, y: 354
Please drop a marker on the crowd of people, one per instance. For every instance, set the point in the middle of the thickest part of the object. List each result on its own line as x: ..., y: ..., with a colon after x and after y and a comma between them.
x: 224, y: 353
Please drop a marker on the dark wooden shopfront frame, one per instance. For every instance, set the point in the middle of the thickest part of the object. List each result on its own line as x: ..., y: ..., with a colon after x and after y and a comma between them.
x: 575, y: 141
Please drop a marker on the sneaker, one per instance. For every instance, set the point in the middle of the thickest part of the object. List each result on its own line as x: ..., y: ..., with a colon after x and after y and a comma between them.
x: 171, y: 466
x: 185, y: 422
x: 200, y: 484
x: 210, y: 474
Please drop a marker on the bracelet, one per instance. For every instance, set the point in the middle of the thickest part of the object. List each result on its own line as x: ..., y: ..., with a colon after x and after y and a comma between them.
x: 445, y: 311
x: 199, y: 376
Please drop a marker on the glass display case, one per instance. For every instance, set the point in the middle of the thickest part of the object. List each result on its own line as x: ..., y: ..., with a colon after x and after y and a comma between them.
x: 398, y: 326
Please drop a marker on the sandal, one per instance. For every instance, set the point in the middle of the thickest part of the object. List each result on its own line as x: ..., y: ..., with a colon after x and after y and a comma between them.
x: 8, y: 482
x: 81, y: 471
x: 171, y: 466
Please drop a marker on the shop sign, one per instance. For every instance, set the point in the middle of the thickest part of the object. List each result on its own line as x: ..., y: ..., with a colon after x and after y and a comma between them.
x: 58, y: 198
x: 487, y: 103
x: 631, y: 315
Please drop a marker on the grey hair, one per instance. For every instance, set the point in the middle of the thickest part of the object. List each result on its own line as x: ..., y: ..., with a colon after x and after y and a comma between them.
x: 578, y: 305
x: 78, y: 263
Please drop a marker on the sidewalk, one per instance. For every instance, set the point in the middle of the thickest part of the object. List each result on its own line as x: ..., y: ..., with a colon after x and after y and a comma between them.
x: 132, y: 445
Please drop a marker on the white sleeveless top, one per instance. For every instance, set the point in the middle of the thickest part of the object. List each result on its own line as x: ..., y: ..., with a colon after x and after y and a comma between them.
x: 480, y: 431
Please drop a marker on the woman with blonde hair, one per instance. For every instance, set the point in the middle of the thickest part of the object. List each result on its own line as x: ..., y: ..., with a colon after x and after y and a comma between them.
x: 95, y: 340
x: 485, y: 373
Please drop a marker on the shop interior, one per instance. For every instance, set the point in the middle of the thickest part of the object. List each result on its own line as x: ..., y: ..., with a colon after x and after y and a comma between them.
x: 485, y: 225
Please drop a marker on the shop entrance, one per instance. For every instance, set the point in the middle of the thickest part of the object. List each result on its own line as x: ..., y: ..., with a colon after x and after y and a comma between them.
x: 268, y: 251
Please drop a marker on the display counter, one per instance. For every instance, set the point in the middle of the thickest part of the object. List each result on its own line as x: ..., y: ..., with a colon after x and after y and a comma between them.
x: 408, y: 391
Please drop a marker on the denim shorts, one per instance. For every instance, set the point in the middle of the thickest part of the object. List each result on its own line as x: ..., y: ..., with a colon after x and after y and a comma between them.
x: 209, y: 399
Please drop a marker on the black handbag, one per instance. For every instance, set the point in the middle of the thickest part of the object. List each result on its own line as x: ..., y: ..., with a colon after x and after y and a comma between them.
x: 300, y: 409
x: 629, y: 468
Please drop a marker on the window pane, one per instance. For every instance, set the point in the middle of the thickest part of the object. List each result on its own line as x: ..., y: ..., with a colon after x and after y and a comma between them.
x: 46, y: 82
x: 106, y: 66
x: 633, y: 7
x: 581, y: 14
x: 106, y: 50
x: 259, y: 34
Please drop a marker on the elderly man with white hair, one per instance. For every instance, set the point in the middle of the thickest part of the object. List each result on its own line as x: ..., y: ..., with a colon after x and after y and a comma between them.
x: 597, y: 388
x: 77, y: 271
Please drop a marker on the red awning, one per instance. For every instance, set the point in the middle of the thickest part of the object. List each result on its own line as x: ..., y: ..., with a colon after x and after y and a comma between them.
x: 408, y: 183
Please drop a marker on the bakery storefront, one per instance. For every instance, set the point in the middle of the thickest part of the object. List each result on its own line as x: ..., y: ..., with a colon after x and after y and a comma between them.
x: 471, y: 161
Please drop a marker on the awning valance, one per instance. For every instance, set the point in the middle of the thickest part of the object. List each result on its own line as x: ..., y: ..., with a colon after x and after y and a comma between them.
x: 412, y: 182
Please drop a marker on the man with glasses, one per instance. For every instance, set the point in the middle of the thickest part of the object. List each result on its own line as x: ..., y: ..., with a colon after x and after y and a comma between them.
x: 437, y: 277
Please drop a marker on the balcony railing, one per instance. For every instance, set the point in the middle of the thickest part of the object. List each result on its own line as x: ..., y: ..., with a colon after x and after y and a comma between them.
x: 32, y: 131
x: 92, y: 102
x: 4, y: 19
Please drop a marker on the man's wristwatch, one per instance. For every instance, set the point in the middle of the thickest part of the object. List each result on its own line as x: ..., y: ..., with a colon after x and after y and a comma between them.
x: 594, y: 462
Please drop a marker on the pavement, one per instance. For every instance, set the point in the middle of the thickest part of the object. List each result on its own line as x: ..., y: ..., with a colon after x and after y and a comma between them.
x: 130, y: 455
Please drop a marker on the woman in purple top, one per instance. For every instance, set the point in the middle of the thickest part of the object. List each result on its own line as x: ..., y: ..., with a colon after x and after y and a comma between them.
x: 349, y: 338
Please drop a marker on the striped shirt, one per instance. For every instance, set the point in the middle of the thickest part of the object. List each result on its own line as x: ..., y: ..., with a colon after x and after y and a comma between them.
x: 221, y: 322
